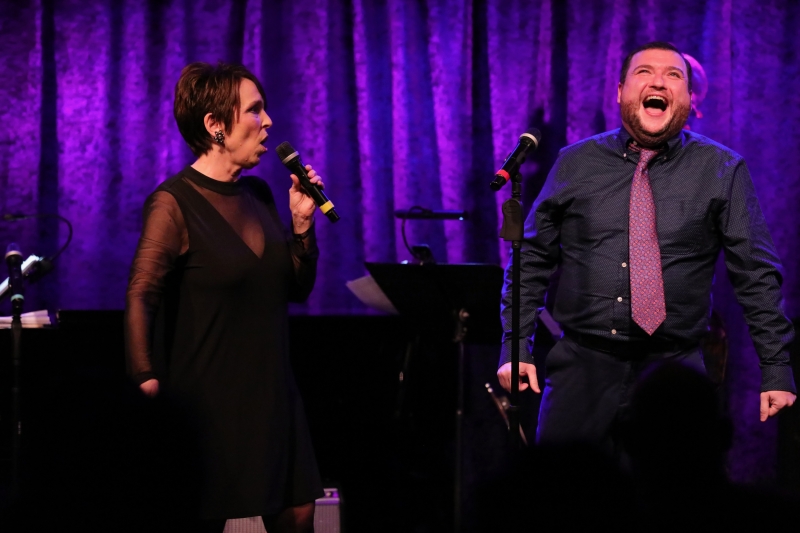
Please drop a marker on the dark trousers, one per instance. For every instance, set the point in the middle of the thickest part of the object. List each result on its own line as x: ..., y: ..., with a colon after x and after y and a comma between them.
x: 587, y: 391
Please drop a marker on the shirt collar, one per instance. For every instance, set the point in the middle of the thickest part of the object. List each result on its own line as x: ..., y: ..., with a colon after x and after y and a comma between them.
x: 675, y: 143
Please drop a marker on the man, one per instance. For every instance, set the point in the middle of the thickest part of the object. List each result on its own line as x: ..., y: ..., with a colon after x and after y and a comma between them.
x: 636, y: 218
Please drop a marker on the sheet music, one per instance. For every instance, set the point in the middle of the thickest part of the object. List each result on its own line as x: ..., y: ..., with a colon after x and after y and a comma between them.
x: 367, y: 290
x: 33, y: 319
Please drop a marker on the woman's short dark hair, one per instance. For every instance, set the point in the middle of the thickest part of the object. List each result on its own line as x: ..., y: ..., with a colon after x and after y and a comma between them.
x: 204, y: 88
x: 655, y: 45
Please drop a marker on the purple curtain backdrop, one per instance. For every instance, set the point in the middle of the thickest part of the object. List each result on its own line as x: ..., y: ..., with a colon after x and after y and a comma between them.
x: 397, y: 103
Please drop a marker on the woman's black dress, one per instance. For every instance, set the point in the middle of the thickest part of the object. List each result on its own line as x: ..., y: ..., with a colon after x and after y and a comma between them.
x: 207, y: 316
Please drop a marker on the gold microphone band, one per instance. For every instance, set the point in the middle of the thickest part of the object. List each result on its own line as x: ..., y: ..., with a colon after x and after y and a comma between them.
x: 327, y: 206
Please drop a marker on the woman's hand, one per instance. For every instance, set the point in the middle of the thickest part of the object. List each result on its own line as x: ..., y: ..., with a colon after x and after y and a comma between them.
x: 301, y: 204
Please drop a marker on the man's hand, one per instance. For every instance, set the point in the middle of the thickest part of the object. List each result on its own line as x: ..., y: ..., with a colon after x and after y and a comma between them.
x: 773, y: 401
x: 150, y: 387
x: 525, y: 370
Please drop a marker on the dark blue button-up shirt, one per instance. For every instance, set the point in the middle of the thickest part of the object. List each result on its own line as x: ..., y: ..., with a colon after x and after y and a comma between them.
x: 705, y: 202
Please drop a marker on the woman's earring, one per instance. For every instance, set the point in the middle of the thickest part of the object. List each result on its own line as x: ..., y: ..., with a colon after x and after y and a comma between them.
x: 219, y: 137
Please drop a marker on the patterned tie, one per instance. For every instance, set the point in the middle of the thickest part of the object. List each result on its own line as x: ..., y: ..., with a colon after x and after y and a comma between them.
x: 647, y: 286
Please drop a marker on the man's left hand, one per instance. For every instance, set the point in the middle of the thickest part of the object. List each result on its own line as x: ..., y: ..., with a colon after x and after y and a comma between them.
x: 773, y: 401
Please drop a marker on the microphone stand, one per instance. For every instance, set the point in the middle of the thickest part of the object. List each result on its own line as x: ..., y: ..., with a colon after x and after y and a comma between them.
x: 42, y: 266
x: 16, y: 336
x: 17, y: 302
x: 513, y: 231
x: 458, y: 474
x: 33, y: 269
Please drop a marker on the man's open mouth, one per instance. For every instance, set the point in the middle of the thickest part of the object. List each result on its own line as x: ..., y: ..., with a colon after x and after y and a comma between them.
x: 654, y: 104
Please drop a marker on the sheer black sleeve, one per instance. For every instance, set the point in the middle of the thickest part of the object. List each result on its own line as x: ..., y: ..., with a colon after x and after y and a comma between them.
x: 305, y: 254
x: 164, y: 238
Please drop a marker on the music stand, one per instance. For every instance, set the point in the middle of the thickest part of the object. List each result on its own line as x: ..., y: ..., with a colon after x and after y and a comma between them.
x: 460, y: 299
x: 430, y: 297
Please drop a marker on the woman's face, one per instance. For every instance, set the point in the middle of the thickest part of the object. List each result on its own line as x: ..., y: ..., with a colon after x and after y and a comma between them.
x: 245, y: 142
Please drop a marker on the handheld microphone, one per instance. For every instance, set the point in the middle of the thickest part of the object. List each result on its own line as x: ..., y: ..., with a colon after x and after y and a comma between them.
x: 15, y: 283
x: 527, y: 141
x: 291, y: 160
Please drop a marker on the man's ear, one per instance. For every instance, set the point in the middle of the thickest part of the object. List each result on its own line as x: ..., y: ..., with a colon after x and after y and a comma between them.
x: 619, y: 93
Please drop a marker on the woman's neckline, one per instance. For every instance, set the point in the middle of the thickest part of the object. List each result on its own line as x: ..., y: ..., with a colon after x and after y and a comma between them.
x: 228, y: 188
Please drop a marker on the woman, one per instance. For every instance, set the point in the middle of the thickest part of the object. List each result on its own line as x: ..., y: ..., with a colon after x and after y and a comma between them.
x: 206, y: 316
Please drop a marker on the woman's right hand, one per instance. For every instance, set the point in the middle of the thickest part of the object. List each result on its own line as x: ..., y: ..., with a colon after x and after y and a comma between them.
x: 150, y: 387
x: 301, y: 204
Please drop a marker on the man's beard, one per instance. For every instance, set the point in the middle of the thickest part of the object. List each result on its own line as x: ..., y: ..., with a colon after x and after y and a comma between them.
x: 630, y: 117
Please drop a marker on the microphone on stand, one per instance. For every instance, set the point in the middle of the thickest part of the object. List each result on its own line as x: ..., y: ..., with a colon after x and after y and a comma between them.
x: 291, y: 159
x: 15, y: 283
x: 33, y: 268
x: 527, y: 141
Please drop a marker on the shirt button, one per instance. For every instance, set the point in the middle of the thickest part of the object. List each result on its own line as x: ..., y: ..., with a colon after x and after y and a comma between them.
x: 613, y: 332
x: 619, y: 298
x: 624, y: 265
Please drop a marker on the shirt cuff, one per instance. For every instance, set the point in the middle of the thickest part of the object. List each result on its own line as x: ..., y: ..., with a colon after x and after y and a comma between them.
x: 141, y: 377
x: 777, y: 377
x: 524, y: 351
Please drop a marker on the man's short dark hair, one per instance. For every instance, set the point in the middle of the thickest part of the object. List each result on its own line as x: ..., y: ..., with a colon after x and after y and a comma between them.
x: 204, y: 88
x: 655, y: 45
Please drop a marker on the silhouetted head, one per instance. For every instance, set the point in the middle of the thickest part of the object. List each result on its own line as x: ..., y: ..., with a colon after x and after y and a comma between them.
x: 675, y: 427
